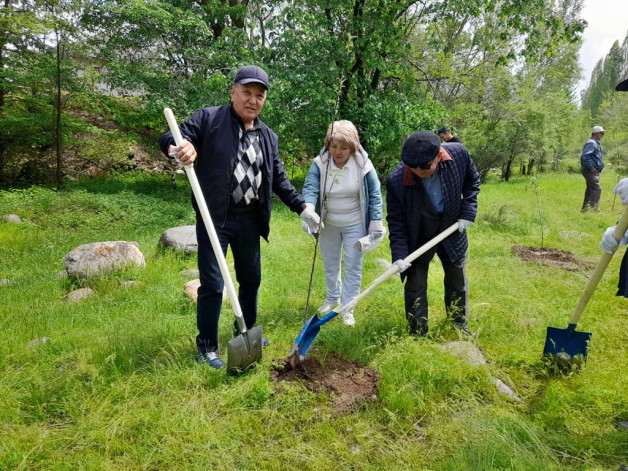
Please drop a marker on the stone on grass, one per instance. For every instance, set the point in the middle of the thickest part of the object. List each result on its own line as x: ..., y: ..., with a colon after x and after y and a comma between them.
x: 465, y: 350
x: 191, y: 290
x: 189, y: 273
x: 12, y: 218
x: 574, y: 234
x: 474, y: 356
x: 62, y: 275
x: 79, y: 295
x: 130, y: 283
x: 99, y: 258
x: 37, y: 342
x: 5, y: 282
x: 182, y: 238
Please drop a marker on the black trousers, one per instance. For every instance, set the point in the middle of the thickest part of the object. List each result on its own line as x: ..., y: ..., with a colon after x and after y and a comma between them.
x: 593, y: 192
x: 241, y: 232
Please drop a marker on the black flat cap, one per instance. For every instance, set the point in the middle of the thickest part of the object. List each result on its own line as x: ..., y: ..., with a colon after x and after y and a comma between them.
x: 420, y: 148
x: 622, y: 87
x: 252, y: 74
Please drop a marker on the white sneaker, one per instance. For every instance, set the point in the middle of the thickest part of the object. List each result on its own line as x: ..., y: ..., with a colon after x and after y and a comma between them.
x: 347, y: 318
x: 327, y: 306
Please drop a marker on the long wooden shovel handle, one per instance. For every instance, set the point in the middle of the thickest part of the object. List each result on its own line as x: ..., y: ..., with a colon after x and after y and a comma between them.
x: 209, y: 225
x: 395, y: 269
x: 620, y: 230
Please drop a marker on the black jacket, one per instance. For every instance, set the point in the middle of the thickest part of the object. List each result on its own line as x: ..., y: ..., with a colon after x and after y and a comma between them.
x: 214, y: 133
x: 460, y: 185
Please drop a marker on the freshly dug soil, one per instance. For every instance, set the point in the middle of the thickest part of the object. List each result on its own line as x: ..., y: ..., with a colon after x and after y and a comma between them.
x: 348, y: 384
x: 552, y: 257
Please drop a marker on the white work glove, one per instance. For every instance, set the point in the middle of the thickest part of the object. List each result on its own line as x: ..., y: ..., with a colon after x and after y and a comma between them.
x: 608, y: 242
x: 306, y: 228
x: 622, y: 190
x: 172, y: 153
x: 369, y: 242
x: 463, y: 224
x: 402, y: 265
x: 312, y: 219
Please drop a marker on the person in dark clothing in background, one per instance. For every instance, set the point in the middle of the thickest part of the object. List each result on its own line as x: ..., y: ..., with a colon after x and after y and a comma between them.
x: 238, y: 166
x: 433, y: 187
x: 592, y: 165
x: 446, y: 136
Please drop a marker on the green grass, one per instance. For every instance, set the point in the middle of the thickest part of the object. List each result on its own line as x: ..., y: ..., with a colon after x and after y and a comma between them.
x: 115, y: 385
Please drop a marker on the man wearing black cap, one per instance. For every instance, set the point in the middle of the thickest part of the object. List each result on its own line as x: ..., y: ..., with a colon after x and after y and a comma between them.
x: 432, y: 188
x: 238, y: 166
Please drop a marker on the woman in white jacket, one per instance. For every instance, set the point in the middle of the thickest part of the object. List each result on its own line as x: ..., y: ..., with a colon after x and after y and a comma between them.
x: 343, y: 187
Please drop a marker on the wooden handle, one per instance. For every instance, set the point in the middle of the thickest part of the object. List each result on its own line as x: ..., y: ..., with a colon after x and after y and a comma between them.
x: 209, y: 225
x: 619, y: 232
x: 395, y: 269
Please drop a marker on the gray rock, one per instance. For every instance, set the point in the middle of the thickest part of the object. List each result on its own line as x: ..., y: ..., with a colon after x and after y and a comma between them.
x: 99, y: 258
x: 130, y: 283
x: 79, y: 295
x: 62, y: 275
x: 181, y: 238
x: 5, y: 282
x: 622, y: 424
x: 574, y: 234
x: 189, y: 273
x: 37, y: 342
x: 465, y: 350
x: 12, y: 218
x: 191, y: 290
x: 504, y: 389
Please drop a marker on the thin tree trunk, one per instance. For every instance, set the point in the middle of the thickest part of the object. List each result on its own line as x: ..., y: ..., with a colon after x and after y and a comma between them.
x: 58, y: 113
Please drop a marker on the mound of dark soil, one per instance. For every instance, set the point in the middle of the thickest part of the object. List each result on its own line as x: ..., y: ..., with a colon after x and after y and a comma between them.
x: 348, y: 384
x: 552, y: 257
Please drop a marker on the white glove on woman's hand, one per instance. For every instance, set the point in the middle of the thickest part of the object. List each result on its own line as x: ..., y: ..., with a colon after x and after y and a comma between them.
x: 306, y: 228
x: 463, y: 224
x: 608, y: 242
x: 377, y: 231
x: 312, y: 219
x: 622, y: 190
x: 402, y: 265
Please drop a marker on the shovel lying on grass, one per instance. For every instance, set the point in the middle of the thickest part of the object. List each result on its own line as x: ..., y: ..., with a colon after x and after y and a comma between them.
x: 568, y: 346
x: 313, y: 326
x: 244, y: 349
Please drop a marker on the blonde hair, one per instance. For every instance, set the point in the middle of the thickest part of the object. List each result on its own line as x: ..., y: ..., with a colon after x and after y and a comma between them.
x: 344, y: 131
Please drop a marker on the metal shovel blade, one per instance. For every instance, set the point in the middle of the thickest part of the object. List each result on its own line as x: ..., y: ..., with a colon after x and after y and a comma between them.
x: 307, y: 335
x: 245, y: 349
x: 566, y: 343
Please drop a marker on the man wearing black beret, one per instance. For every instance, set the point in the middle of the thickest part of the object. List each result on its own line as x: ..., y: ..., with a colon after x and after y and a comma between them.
x: 432, y: 188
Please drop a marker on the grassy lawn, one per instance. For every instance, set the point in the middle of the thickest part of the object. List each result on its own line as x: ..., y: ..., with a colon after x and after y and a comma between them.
x: 115, y: 384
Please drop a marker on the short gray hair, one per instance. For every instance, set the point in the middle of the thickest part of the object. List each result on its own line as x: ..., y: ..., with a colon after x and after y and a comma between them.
x: 344, y: 131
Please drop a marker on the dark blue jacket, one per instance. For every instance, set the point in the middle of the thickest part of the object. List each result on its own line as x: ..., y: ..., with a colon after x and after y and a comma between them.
x: 214, y: 133
x: 460, y: 185
x: 592, y: 156
x: 622, y: 287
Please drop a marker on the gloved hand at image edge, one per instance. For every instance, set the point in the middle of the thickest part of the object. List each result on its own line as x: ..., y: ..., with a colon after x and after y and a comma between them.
x: 463, y: 224
x: 622, y: 190
x: 608, y: 242
x: 172, y: 153
x: 402, y: 265
x: 312, y: 219
x: 306, y: 229
x: 369, y: 242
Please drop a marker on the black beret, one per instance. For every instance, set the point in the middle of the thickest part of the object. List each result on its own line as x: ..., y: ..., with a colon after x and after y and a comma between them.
x: 420, y: 148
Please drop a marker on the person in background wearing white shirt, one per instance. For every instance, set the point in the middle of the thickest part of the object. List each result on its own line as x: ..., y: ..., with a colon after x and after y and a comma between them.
x: 342, y: 185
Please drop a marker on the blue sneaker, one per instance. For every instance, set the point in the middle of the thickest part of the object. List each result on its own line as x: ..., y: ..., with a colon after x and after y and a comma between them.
x: 212, y: 359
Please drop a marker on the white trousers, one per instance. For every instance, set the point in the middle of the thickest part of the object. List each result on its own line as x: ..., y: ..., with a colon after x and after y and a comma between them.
x: 333, y: 242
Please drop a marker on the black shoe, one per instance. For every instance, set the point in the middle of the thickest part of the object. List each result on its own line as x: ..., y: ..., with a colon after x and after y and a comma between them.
x: 463, y: 327
x: 419, y: 331
x: 212, y: 359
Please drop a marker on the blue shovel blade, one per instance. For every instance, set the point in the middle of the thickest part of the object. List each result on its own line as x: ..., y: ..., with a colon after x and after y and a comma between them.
x: 567, y: 341
x: 309, y: 332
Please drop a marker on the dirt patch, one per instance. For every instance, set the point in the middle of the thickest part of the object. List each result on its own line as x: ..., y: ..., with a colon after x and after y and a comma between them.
x: 348, y: 384
x: 552, y: 257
